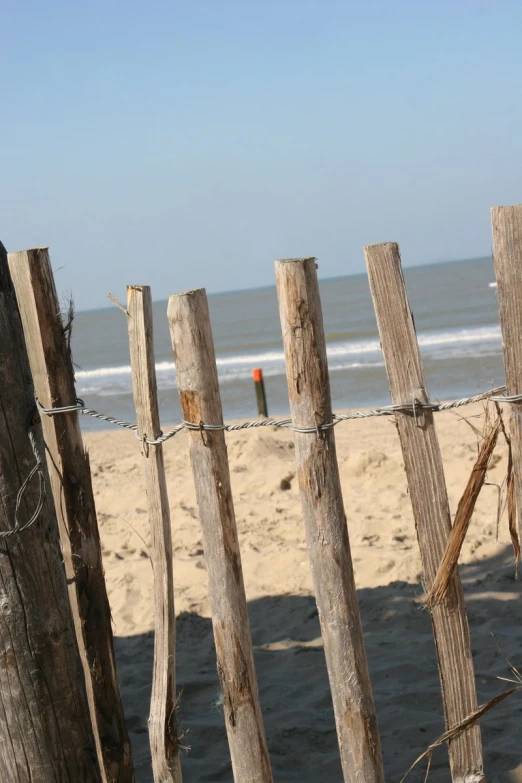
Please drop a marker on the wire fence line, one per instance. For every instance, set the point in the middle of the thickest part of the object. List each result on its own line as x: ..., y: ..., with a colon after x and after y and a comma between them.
x: 415, y: 407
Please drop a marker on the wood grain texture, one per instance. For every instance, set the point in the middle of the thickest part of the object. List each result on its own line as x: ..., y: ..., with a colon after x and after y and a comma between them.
x: 197, y: 381
x: 163, y: 734
x: 45, y: 727
x: 506, y: 223
x: 69, y: 471
x: 427, y: 486
x: 325, y: 521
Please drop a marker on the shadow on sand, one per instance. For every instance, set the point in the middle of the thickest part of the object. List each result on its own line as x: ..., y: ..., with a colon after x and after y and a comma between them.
x: 294, y: 687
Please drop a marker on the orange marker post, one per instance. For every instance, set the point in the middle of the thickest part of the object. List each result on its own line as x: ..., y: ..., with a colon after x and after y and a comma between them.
x: 260, y: 392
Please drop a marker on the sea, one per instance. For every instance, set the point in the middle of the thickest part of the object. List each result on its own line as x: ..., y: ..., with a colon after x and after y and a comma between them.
x: 456, y: 317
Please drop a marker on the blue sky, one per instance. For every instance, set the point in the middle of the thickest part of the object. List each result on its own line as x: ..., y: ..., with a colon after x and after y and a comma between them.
x: 187, y: 144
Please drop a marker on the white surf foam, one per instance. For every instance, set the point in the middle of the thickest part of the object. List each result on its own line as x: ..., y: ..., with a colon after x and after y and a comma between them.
x: 351, y: 354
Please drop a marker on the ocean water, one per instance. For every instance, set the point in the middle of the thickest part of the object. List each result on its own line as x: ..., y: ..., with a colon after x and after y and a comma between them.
x: 456, y: 316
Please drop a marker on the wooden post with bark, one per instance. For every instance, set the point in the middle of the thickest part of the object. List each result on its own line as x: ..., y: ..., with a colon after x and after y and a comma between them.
x: 325, y: 520
x: 48, y: 348
x: 197, y: 381
x: 507, y: 256
x: 429, y: 499
x: 45, y: 728
x: 163, y: 734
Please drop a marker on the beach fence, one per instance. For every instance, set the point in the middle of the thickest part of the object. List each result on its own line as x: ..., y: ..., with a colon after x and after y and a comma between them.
x: 62, y: 717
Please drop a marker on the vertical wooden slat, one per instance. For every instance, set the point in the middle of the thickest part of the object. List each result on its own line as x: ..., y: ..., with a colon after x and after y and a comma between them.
x: 507, y: 256
x: 197, y: 381
x: 325, y: 521
x: 425, y: 475
x: 163, y: 733
x: 69, y: 471
x: 45, y: 727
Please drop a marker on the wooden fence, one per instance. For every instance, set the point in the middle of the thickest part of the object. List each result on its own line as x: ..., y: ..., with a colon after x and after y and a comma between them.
x: 94, y: 741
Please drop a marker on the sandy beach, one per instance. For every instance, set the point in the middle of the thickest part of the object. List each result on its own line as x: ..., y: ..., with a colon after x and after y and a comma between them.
x: 289, y: 655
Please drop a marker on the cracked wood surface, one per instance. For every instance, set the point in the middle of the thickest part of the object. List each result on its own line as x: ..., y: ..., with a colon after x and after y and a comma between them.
x: 429, y: 500
x: 506, y: 223
x: 69, y: 471
x: 163, y: 731
x: 325, y: 521
x: 197, y: 380
x: 45, y: 728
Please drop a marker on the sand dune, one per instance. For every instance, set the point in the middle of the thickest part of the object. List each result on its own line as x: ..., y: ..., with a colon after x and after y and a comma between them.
x: 289, y: 655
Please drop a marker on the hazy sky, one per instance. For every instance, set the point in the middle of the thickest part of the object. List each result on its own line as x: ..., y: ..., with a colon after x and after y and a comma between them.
x: 187, y: 144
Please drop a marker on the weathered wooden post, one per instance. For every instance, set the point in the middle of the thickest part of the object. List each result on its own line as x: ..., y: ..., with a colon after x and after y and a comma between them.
x: 45, y: 728
x: 198, y: 386
x: 507, y: 256
x: 163, y: 734
x: 429, y: 500
x: 69, y: 471
x: 325, y: 520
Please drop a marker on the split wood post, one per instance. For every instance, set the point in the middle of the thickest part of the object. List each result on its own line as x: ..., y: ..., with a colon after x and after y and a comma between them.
x: 325, y: 520
x: 507, y: 256
x: 47, y: 342
x: 429, y: 499
x: 198, y: 386
x: 45, y: 728
x: 163, y: 734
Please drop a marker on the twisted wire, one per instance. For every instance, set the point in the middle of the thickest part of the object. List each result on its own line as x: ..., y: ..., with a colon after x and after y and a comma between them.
x: 413, y: 408
x: 495, y: 395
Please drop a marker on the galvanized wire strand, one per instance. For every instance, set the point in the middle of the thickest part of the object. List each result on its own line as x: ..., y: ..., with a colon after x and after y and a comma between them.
x: 79, y: 407
x: 493, y: 395
x: 413, y: 408
x: 513, y: 398
x: 36, y: 469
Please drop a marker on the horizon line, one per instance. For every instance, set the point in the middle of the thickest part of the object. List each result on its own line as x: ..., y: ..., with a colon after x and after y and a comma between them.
x: 321, y: 280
